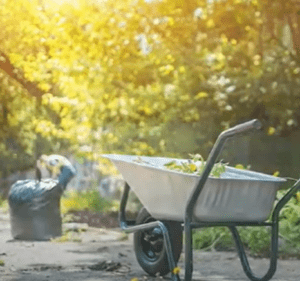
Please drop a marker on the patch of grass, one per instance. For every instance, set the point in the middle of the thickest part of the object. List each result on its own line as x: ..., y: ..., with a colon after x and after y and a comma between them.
x: 85, y: 200
x: 124, y: 237
x: 4, y: 205
x: 67, y: 237
x: 2, y: 262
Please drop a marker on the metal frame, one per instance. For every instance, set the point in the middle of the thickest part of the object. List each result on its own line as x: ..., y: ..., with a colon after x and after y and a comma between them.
x: 189, y: 225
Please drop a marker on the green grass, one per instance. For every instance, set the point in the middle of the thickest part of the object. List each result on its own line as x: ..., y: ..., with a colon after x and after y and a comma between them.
x: 4, y: 207
x: 68, y: 236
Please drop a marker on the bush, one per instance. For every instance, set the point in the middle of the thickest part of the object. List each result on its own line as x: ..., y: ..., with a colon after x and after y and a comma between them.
x: 213, y: 238
x: 85, y: 200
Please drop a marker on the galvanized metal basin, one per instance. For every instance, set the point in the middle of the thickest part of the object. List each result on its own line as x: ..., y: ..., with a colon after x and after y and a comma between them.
x: 237, y: 196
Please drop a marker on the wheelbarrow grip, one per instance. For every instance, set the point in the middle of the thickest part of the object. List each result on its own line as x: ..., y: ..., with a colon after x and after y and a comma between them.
x: 244, y: 127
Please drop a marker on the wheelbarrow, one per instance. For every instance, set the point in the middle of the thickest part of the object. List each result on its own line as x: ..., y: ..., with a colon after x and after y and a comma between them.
x: 176, y: 203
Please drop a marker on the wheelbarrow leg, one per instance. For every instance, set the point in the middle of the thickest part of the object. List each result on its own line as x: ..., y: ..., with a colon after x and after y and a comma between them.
x: 171, y: 260
x: 244, y: 259
x: 188, y: 252
x: 274, y: 240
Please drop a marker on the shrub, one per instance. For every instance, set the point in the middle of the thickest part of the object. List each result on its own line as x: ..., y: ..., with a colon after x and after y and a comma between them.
x: 85, y: 200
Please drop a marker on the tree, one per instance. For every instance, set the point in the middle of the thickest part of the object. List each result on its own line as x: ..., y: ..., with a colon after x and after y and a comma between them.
x: 121, y: 76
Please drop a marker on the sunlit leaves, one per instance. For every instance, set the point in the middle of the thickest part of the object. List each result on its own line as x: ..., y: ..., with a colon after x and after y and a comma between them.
x: 113, y: 75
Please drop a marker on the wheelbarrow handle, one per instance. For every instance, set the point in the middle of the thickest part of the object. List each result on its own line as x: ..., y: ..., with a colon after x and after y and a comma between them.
x: 216, y: 150
x: 242, y: 128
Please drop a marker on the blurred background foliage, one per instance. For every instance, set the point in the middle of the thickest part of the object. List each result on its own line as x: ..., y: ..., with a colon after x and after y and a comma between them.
x: 152, y: 77
x: 156, y: 77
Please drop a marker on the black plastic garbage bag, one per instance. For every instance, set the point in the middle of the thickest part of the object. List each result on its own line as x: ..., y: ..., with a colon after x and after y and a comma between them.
x: 35, y: 204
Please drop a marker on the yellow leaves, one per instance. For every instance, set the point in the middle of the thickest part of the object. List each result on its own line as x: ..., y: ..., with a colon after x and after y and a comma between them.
x: 193, y: 168
x: 64, y: 112
x: 182, y: 69
x: 67, y: 123
x: 191, y: 115
x: 298, y: 196
x: 220, y: 56
x: 143, y: 145
x: 219, y: 61
x: 276, y: 174
x: 185, y: 97
x: 224, y: 39
x: 201, y: 95
x: 45, y: 86
x: 110, y: 137
x: 296, y: 71
x: 142, y: 148
x: 83, y: 132
x: 15, y: 58
x: 55, y: 105
x: 46, y: 98
x: 145, y: 109
x: 257, y: 60
x: 171, y: 21
x: 45, y: 128
x: 257, y: 14
x: 176, y: 270
x: 166, y: 70
x: 271, y: 131
x: 210, y: 23
x: 170, y: 58
x: 233, y: 42
x: 13, y: 120
x: 239, y: 166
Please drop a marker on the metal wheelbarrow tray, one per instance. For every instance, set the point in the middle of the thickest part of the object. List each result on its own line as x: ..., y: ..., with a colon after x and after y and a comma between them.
x: 238, y: 195
x: 172, y: 199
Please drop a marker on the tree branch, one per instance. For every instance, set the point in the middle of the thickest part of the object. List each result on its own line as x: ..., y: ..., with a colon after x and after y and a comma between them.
x: 17, y: 75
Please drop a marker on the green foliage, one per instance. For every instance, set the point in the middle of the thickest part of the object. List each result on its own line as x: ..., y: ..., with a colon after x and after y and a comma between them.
x: 258, y: 239
x: 196, y: 165
x: 4, y: 205
x: 121, y: 76
x: 289, y: 227
x: 212, y: 239
x: 85, y: 200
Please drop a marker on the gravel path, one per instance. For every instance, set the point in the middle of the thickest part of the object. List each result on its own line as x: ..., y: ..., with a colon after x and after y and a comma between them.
x: 98, y: 250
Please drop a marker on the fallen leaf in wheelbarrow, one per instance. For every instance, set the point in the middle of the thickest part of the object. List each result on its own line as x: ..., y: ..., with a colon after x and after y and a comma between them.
x: 105, y: 265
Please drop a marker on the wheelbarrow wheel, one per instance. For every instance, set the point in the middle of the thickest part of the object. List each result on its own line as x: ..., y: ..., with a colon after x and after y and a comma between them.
x: 149, y: 245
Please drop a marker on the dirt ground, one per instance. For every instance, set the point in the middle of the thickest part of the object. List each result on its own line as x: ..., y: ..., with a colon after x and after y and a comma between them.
x: 107, y: 254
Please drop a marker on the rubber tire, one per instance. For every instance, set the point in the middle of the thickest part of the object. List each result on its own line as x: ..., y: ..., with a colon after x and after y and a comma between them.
x: 161, y: 265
